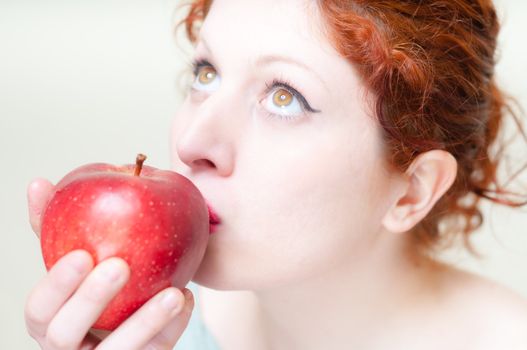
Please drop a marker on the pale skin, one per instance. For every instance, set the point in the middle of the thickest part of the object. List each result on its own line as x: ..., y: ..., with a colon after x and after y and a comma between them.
x: 313, y: 250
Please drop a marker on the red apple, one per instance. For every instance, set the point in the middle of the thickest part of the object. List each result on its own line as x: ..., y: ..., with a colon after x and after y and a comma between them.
x: 156, y: 220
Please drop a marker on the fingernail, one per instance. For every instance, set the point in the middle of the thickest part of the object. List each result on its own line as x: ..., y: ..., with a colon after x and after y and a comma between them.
x: 188, y: 294
x: 110, y: 271
x: 78, y: 262
x: 169, y: 300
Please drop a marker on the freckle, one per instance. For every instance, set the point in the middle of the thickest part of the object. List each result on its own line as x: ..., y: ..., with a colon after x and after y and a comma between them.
x: 151, y: 203
x: 141, y: 215
x: 157, y: 227
x: 74, y: 199
x: 170, y: 253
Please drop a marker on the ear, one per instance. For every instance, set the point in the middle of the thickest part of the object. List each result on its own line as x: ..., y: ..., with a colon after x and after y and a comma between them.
x: 428, y: 177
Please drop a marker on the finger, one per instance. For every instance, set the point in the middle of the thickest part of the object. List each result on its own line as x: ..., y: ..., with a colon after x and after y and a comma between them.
x: 54, y: 290
x: 148, y: 321
x: 168, y: 337
x: 38, y: 193
x: 73, y: 321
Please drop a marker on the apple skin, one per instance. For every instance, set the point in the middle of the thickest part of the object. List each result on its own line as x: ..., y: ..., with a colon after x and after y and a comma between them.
x: 158, y: 222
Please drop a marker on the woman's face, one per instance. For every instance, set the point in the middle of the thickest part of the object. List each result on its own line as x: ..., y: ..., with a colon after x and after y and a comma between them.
x: 277, y: 135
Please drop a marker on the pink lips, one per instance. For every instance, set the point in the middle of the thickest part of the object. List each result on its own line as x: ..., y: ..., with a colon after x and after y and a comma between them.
x: 213, y: 219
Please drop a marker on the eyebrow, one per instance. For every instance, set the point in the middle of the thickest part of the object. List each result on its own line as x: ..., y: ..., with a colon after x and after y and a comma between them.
x: 268, y: 59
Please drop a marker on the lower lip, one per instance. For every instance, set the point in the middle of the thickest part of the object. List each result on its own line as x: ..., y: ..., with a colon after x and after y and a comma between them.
x: 212, y: 228
x: 213, y: 220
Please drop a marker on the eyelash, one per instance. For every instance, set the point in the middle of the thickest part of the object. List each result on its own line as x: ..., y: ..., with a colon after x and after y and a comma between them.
x: 197, y: 64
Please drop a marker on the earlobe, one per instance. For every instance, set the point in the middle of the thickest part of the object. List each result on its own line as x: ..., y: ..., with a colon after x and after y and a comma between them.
x: 429, y: 176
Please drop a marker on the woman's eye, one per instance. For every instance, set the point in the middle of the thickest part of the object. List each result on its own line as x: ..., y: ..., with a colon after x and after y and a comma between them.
x: 205, y: 77
x: 283, y: 103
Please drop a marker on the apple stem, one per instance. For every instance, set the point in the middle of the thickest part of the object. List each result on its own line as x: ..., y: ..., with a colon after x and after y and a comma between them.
x: 139, y: 160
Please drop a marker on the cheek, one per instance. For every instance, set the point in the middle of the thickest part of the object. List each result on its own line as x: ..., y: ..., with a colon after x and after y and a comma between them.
x: 302, y: 209
x: 324, y: 182
x: 320, y: 207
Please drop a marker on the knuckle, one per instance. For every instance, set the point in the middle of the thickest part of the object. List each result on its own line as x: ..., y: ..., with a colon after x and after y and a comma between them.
x: 33, y: 313
x: 63, y: 281
x: 104, y: 281
x: 56, y: 339
x: 61, y: 285
x: 94, y: 293
x: 150, y: 323
x: 152, y: 319
x: 34, y: 333
x: 154, y: 347
x: 97, y: 290
x: 162, y: 341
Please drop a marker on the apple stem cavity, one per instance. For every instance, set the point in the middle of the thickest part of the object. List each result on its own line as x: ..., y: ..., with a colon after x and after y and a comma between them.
x: 139, y: 160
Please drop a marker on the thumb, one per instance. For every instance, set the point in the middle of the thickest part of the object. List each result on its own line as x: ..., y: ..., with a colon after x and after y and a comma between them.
x: 38, y: 193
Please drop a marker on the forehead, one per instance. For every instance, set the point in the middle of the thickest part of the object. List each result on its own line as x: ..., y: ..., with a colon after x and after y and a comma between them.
x: 291, y: 27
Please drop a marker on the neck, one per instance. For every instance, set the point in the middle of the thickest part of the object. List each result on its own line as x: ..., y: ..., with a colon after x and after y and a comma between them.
x: 348, y: 304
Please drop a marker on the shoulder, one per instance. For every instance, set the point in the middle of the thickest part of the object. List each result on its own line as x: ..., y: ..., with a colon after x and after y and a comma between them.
x: 490, y: 315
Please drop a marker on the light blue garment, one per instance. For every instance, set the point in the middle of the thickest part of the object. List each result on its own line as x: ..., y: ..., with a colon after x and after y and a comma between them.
x: 196, y: 336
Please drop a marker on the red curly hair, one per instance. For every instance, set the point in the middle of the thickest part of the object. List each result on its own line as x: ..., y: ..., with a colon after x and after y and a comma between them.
x: 430, y: 66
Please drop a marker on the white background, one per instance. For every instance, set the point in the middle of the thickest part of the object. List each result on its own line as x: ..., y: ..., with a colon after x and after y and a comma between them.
x: 96, y: 81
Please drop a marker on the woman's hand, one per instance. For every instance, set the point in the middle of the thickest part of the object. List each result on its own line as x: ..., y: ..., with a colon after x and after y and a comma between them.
x: 68, y: 300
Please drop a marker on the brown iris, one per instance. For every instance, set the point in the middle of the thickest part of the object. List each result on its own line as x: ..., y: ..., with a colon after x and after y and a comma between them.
x: 282, y: 98
x: 206, y: 75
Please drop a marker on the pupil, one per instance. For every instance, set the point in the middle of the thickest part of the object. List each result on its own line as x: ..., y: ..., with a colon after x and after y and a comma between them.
x: 206, y: 76
x: 282, y: 98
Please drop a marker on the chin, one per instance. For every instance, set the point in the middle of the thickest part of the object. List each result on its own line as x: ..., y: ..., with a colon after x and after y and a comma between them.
x: 233, y: 264
x: 224, y: 271
x: 215, y: 272
x: 227, y: 273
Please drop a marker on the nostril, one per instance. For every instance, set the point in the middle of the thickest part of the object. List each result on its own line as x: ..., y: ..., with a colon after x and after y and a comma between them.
x: 204, y: 163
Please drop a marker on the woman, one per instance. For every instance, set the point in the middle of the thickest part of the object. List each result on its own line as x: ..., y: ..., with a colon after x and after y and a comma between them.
x: 343, y: 144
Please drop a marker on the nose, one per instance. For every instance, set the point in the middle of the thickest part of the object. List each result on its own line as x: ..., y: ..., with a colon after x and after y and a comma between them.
x: 206, y: 136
